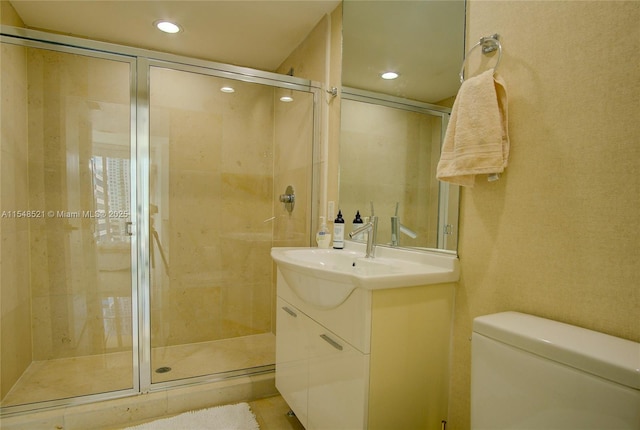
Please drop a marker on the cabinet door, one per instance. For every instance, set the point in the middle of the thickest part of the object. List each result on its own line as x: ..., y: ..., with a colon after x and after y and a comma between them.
x: 292, y: 352
x: 338, y: 382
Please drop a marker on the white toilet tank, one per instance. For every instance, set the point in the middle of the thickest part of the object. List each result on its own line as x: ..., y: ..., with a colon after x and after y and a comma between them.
x: 533, y: 373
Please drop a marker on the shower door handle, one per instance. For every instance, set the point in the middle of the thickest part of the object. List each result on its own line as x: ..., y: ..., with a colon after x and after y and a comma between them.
x: 128, y: 228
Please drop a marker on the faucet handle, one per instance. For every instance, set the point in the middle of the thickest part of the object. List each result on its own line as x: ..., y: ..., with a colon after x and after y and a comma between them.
x: 406, y: 230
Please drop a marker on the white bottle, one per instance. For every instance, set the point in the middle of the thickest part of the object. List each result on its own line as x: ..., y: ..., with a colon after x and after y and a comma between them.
x: 338, y: 231
x: 323, y: 237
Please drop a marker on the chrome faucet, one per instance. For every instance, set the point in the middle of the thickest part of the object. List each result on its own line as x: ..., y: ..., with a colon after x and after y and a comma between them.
x: 397, y: 228
x: 372, y: 228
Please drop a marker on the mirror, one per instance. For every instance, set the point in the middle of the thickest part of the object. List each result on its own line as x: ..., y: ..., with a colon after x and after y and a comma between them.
x: 391, y: 130
x: 421, y: 40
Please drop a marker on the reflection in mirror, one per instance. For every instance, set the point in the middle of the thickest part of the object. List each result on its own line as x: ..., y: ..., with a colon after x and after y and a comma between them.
x: 389, y: 151
x: 391, y: 130
x: 422, y: 41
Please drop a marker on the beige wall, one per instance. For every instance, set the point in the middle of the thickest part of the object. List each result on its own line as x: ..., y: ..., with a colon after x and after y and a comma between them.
x: 309, y: 61
x: 558, y: 235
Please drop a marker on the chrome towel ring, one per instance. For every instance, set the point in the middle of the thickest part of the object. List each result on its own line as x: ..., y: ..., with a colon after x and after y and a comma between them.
x: 489, y: 44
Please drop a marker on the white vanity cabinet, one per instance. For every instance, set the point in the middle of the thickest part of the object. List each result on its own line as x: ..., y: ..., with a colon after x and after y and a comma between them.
x: 313, y: 364
x: 377, y: 361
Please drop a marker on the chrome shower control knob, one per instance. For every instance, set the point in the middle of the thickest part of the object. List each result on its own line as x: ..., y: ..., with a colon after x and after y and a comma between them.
x: 288, y: 198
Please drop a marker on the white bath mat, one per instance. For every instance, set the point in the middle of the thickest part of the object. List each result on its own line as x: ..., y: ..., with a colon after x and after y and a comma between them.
x: 230, y: 417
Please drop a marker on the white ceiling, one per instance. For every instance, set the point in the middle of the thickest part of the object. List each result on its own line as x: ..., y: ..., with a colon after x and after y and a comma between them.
x: 253, y: 33
x: 422, y: 40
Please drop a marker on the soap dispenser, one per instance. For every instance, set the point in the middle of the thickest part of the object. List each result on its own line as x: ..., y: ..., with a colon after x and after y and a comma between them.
x: 323, y: 237
x: 338, y: 231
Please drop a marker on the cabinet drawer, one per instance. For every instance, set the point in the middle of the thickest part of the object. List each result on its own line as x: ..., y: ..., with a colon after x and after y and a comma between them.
x: 338, y: 383
x: 292, y: 357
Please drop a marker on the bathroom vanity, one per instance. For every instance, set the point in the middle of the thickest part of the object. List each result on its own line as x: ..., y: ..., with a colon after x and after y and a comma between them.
x: 377, y: 359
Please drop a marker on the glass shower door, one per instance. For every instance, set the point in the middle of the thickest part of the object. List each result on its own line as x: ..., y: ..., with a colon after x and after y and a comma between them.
x: 66, y: 247
x: 210, y: 193
x: 211, y: 210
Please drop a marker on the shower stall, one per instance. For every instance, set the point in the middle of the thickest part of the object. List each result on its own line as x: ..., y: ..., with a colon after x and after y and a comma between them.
x: 139, y: 202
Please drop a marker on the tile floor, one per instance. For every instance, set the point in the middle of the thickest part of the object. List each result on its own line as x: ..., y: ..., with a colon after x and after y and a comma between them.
x: 71, y: 377
x: 56, y: 379
x: 124, y: 412
x: 270, y: 412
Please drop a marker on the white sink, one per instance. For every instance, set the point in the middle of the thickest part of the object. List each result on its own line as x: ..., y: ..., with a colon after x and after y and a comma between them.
x: 326, y: 277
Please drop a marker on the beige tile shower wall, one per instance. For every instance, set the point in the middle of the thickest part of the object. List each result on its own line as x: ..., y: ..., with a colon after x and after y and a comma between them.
x: 211, y: 179
x: 558, y: 235
x: 294, y: 160
x: 15, y: 297
x: 293, y: 143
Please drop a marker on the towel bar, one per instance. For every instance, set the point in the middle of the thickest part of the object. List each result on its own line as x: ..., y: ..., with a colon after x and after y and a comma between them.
x: 489, y: 44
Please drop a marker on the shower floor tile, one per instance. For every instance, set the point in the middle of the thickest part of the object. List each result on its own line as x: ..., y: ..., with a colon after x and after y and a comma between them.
x: 197, y: 359
x: 70, y: 377
x: 79, y: 376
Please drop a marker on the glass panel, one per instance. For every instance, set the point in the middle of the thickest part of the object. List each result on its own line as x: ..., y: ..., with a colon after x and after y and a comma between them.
x: 212, y: 215
x: 401, y: 149
x: 66, y: 256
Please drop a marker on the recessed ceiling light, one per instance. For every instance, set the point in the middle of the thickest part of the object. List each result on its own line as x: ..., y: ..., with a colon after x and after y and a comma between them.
x: 167, y: 26
x: 286, y: 99
x: 389, y: 75
x: 227, y: 89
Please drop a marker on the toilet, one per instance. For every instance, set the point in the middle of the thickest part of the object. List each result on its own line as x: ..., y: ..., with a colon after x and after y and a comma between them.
x: 533, y: 373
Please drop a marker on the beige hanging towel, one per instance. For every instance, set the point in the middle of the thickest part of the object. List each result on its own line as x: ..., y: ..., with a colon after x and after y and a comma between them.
x: 477, y: 140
